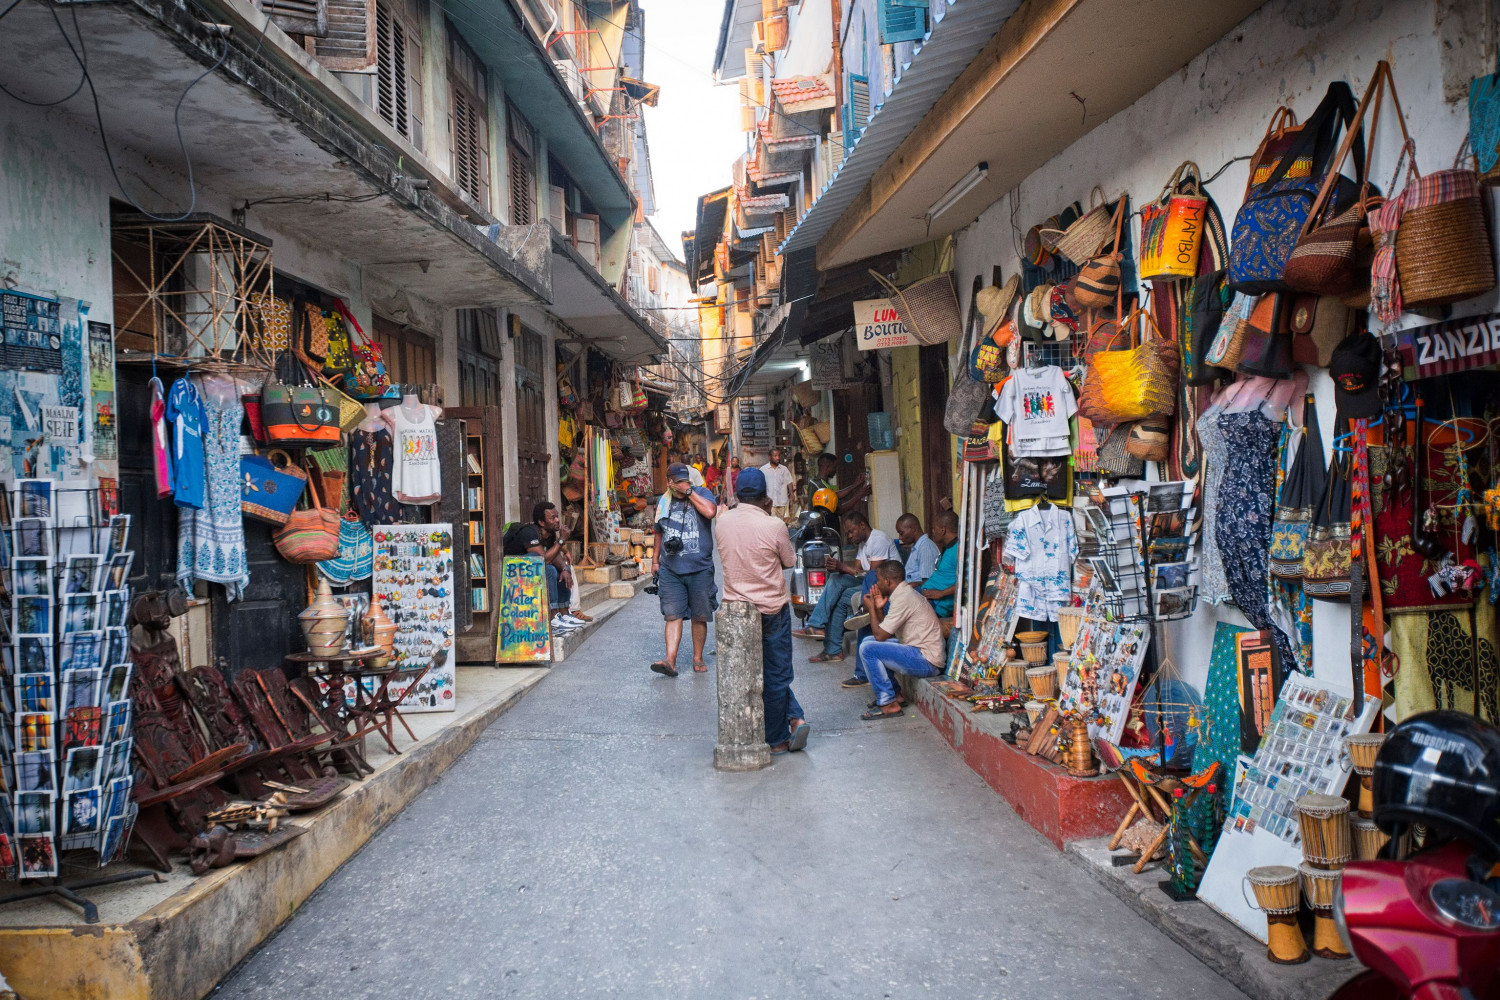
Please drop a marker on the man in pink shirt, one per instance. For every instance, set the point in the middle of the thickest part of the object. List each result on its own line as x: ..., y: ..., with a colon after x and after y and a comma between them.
x: 754, y: 549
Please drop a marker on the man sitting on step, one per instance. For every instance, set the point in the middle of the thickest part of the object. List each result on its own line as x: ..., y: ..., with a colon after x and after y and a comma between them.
x: 905, y: 638
x: 545, y: 536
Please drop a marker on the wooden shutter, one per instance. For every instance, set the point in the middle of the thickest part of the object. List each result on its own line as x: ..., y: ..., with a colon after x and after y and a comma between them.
x: 902, y: 22
x: 586, y: 237
x: 519, y: 156
x: 856, y: 108
x: 471, y: 162
x: 391, y: 94
x: 298, y: 17
x: 350, y: 41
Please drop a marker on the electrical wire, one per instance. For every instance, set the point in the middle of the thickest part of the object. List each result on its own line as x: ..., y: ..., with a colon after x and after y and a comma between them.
x: 76, y: 88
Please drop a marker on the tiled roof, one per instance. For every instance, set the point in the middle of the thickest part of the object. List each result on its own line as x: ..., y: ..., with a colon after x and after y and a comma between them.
x: 764, y: 203
x: 800, y: 89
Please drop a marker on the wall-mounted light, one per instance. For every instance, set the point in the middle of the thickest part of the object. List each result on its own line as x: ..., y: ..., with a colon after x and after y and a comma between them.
x: 967, y: 183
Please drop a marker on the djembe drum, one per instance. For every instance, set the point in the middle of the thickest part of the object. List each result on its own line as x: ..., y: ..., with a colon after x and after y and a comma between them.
x: 1275, y: 888
x: 1043, y: 681
x: 1321, y: 887
x: 1069, y: 620
x: 1363, y: 749
x: 1324, y: 822
x: 1013, y: 677
x: 1368, y: 838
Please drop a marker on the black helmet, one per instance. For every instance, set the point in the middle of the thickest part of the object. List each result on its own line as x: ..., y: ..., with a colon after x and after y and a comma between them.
x: 1442, y: 770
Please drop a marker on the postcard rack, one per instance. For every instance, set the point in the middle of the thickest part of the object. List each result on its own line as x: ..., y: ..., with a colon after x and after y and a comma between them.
x: 1138, y: 543
x: 67, y: 735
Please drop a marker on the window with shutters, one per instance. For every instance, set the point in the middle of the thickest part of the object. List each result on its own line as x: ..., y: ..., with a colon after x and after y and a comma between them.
x: 522, y: 167
x: 349, y: 44
x: 902, y: 20
x: 298, y: 17
x: 470, y: 121
x: 398, y: 71
x: 856, y: 108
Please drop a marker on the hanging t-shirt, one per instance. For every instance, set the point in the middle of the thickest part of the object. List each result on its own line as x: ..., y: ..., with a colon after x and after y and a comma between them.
x: 189, y: 469
x: 161, y: 447
x: 417, y: 476
x: 1035, y: 404
x: 683, y: 521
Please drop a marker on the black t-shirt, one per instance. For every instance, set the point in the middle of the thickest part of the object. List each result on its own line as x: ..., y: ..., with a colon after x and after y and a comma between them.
x: 519, y: 539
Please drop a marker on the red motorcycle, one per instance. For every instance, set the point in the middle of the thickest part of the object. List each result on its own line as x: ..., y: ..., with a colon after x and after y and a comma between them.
x: 1428, y: 926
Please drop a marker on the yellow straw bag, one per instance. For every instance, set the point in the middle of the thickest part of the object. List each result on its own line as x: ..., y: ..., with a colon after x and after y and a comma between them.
x: 1135, y: 383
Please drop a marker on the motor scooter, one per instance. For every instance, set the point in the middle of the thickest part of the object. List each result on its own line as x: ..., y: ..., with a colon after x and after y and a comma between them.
x: 1428, y: 926
x: 813, y: 541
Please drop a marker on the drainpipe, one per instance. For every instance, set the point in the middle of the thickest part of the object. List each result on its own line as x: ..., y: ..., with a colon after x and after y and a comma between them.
x: 838, y: 53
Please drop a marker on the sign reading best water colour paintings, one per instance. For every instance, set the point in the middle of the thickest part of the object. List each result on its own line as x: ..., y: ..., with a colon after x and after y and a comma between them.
x: 525, y: 633
x: 877, y: 324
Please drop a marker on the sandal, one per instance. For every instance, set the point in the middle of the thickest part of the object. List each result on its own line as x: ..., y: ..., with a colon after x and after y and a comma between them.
x: 665, y: 668
x: 881, y: 713
x: 900, y: 700
x: 800, y: 732
x: 700, y: 668
x: 826, y: 658
x: 807, y: 633
x: 581, y: 616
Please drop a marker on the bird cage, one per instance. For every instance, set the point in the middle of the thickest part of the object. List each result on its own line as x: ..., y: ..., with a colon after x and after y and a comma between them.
x: 190, y: 291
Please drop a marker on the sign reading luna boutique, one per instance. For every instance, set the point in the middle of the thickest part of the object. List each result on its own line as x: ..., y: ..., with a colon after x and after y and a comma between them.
x: 877, y: 324
x: 1454, y: 345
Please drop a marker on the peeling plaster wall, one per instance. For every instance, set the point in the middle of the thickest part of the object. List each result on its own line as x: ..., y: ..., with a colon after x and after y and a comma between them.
x: 1216, y: 108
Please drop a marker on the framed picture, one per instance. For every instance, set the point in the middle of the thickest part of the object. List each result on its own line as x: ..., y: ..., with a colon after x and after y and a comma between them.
x: 83, y: 727
x: 34, y: 498
x: 1170, y: 576
x: 33, y: 615
x: 80, y: 689
x: 116, y: 608
x: 117, y: 759
x: 118, y: 721
x: 31, y: 577
x: 81, y: 811
x: 35, y: 654
x: 81, y: 612
x: 34, y: 772
x: 34, y: 693
x: 119, y: 797
x: 38, y: 858
x: 117, y: 571
x: 34, y: 732
x: 83, y: 768
x: 33, y: 812
x: 119, y: 535
x: 116, y: 683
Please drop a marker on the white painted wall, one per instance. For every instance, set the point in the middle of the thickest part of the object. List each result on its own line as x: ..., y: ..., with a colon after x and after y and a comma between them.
x: 809, y: 47
x: 1216, y: 108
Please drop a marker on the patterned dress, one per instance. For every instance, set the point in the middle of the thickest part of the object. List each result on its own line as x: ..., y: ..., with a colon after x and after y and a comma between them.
x: 1215, y: 588
x: 371, y: 461
x: 211, y: 541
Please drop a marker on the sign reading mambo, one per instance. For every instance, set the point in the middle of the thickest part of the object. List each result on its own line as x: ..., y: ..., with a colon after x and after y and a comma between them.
x: 877, y: 324
x: 525, y: 631
x: 1454, y: 345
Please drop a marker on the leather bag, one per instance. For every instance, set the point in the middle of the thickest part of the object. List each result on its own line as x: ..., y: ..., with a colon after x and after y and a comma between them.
x: 967, y: 396
x: 1318, y: 323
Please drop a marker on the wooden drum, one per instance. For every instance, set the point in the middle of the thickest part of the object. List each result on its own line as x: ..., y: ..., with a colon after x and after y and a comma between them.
x: 1321, y: 887
x: 1043, y: 682
x: 1368, y: 838
x: 1276, y: 893
x: 1324, y: 821
x: 1013, y: 676
x: 1068, y: 622
x: 1034, y: 653
x: 1363, y: 749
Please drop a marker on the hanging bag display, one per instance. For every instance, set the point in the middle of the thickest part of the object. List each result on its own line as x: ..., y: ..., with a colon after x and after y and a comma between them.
x: 368, y: 379
x: 1267, y: 350
x: 1318, y: 323
x: 1172, y: 227
x: 1097, y: 282
x: 339, y: 364
x: 967, y: 396
x: 269, y: 491
x: 1300, y: 493
x: 1329, y: 550
x: 1207, y: 301
x: 314, y: 330
x: 1272, y: 216
x: 310, y: 534
x: 1443, y: 252
x: 1136, y: 383
x: 928, y: 307
x: 298, y: 415
x: 1082, y: 239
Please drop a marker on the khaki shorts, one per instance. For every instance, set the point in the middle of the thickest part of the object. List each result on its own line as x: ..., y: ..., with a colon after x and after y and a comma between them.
x: 784, y: 513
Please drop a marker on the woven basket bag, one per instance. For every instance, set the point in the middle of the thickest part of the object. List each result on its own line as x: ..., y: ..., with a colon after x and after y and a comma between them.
x: 928, y: 307
x: 1443, y: 244
x: 1133, y: 384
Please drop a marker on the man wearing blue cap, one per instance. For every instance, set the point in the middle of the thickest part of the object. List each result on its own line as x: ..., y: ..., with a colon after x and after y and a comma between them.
x: 685, y: 564
x: 756, y: 549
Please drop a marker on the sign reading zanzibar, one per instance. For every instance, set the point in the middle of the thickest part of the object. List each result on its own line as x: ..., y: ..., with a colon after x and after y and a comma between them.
x: 1454, y: 345
x: 877, y: 324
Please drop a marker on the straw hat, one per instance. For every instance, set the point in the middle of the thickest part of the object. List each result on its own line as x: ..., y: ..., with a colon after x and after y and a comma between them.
x: 994, y: 303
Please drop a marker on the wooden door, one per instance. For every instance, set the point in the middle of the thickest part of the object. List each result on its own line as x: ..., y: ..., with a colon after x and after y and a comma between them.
x: 533, y: 460
x: 937, y: 445
x: 258, y: 630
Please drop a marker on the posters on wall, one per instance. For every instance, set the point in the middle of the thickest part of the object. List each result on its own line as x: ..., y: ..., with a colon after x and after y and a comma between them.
x: 525, y: 633
x: 49, y: 400
x: 32, y: 330
x: 413, y: 581
x: 1301, y: 752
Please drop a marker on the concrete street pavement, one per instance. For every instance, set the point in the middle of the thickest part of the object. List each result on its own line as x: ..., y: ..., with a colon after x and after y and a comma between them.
x: 585, y: 847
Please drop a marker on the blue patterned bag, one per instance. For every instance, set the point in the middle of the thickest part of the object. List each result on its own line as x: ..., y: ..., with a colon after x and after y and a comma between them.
x: 1484, y: 123
x: 1270, y: 220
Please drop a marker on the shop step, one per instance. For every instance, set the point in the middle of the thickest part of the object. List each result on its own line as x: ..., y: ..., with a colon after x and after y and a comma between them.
x: 601, y: 574
x: 591, y: 595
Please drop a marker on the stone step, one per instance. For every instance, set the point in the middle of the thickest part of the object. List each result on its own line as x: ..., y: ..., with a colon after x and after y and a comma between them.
x: 601, y: 574
x: 591, y: 595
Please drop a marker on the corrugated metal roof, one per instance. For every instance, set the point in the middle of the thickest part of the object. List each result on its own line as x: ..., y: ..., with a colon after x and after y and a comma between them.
x: 966, y: 27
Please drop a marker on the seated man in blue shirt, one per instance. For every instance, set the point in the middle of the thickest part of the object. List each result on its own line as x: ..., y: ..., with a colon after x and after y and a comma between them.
x: 943, y: 583
x: 921, y: 552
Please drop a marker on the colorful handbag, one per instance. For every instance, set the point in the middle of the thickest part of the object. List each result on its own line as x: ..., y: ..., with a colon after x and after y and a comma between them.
x: 1150, y: 440
x: 1133, y: 384
x: 299, y: 416
x: 275, y: 321
x: 1318, y: 323
x: 1328, y: 552
x: 1207, y: 300
x: 1484, y: 124
x: 315, y: 325
x: 1300, y: 493
x: 339, y: 363
x: 1274, y: 212
x: 356, y: 558
x: 269, y: 492
x: 1172, y: 227
x: 368, y: 378
x: 1267, y: 350
x: 311, y: 534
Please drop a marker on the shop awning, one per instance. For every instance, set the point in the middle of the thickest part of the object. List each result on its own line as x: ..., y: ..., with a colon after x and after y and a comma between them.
x: 1048, y: 76
x: 274, y: 131
x: 598, y: 313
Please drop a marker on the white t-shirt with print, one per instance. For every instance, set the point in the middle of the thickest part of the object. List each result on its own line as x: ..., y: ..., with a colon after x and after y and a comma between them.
x: 1035, y: 404
x: 877, y: 549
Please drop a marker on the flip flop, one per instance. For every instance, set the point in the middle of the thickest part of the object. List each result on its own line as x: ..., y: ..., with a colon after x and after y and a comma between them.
x: 825, y: 658
x: 700, y: 668
x: 665, y: 668
x: 877, y: 713
x: 779, y: 749
x: 581, y: 616
x: 806, y: 633
x: 799, y: 736
x: 900, y: 700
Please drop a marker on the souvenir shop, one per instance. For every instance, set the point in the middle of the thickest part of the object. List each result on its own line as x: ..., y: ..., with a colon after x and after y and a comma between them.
x: 1229, y: 496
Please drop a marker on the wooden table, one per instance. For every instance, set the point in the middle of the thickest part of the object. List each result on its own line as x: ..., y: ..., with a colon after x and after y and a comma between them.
x: 375, y: 710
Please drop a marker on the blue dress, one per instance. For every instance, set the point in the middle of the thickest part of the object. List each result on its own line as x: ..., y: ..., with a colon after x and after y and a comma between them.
x: 185, y: 414
x: 211, y: 541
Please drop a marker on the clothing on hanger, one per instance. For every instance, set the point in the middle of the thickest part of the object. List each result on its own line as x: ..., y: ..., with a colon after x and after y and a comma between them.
x: 417, y: 476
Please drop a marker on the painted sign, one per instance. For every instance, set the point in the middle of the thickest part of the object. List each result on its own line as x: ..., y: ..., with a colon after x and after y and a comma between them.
x: 1454, y: 345
x: 60, y: 424
x: 413, y: 581
x: 525, y: 634
x: 877, y: 324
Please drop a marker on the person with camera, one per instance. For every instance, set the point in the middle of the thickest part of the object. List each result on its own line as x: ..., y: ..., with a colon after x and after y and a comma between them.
x: 685, y: 564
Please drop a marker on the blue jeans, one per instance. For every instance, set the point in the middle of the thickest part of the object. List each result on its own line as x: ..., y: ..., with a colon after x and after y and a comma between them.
x: 879, y: 658
x: 558, y: 596
x: 776, y: 666
x: 832, y: 609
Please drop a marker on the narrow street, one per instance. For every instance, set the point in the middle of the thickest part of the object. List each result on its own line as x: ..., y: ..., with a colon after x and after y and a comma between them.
x: 586, y: 847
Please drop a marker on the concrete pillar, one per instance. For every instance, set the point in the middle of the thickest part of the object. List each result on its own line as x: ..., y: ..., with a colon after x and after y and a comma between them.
x: 742, y: 714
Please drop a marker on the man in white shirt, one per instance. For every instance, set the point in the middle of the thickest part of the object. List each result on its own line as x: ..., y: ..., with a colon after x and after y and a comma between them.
x: 827, y: 620
x: 779, y: 480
